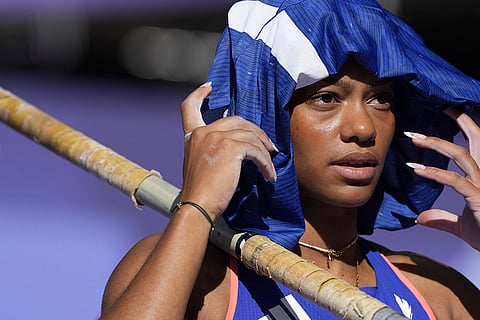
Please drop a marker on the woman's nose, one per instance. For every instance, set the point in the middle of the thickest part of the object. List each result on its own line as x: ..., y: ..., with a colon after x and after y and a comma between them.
x: 357, y: 125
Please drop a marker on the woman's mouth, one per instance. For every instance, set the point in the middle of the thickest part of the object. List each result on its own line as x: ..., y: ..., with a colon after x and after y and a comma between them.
x: 356, y: 167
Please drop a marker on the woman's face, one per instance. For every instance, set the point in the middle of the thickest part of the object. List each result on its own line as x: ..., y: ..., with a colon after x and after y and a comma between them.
x: 341, y: 129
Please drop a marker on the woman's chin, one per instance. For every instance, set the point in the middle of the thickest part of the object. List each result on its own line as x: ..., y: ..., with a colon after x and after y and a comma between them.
x: 353, y: 197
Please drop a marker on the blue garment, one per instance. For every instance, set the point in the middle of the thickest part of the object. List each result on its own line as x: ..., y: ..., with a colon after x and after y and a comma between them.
x: 262, y: 297
x: 271, y: 48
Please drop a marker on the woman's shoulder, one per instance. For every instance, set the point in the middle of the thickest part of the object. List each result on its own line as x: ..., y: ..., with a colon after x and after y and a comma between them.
x: 210, y: 295
x: 446, y: 290
x: 127, y: 268
x: 422, y: 266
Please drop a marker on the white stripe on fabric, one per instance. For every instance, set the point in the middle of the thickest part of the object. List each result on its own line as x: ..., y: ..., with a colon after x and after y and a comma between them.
x: 293, y: 50
x: 297, y: 308
x: 289, y: 45
x: 250, y: 16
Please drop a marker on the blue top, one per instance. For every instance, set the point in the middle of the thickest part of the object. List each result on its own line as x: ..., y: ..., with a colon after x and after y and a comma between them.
x: 262, y: 298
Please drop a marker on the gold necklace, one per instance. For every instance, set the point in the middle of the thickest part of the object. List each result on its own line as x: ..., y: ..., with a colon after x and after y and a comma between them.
x: 337, y: 254
x: 330, y: 252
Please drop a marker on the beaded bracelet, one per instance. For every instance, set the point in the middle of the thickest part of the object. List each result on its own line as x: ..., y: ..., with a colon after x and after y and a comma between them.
x: 199, y: 208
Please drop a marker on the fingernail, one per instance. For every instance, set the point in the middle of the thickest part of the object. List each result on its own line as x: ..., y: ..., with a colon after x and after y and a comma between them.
x: 414, y: 135
x: 414, y: 165
x: 206, y: 84
x: 274, y: 147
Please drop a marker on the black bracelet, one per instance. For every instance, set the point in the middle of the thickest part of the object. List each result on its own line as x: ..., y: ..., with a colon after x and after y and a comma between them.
x: 199, y: 208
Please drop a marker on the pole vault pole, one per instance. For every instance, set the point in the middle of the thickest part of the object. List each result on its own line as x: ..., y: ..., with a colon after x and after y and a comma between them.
x: 148, y: 188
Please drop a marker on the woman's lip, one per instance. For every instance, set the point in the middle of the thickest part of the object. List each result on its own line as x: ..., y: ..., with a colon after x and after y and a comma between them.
x: 356, y: 174
x: 357, y: 159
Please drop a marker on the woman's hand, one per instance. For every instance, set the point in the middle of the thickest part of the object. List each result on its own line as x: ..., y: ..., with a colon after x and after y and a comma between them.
x: 467, y: 225
x: 214, y: 154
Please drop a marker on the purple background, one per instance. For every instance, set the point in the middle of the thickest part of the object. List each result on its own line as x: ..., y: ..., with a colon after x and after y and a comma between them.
x: 112, y: 7
x: 62, y: 230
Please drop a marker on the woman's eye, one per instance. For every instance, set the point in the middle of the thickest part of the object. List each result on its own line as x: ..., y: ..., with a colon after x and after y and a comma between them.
x: 323, y: 97
x: 385, y: 98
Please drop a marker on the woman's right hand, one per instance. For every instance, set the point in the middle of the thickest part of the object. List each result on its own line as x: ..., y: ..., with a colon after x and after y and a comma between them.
x: 214, y: 154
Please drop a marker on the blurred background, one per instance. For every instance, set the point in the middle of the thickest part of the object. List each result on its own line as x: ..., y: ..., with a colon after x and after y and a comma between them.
x: 117, y: 70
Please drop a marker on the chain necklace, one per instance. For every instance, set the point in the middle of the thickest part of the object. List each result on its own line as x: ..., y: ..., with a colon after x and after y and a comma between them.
x: 336, y: 254
x: 330, y: 252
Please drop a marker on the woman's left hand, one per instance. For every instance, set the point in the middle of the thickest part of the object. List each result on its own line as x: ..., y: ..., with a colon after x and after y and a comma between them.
x: 467, y: 225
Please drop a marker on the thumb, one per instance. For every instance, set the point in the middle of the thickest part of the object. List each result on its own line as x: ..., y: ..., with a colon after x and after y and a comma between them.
x: 439, y: 219
x: 190, y: 108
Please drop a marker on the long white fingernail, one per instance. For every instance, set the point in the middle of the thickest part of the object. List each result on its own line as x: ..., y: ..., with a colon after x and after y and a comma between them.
x: 414, y: 135
x: 414, y: 165
x: 274, y: 173
x: 274, y: 146
x: 206, y: 84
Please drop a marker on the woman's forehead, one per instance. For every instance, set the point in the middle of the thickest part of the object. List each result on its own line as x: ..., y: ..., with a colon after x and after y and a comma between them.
x: 356, y: 71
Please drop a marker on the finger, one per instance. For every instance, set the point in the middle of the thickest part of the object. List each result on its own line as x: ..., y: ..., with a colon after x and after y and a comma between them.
x: 449, y: 178
x: 190, y: 108
x: 262, y: 160
x: 470, y: 130
x: 257, y: 149
x: 238, y: 125
x: 439, y: 219
x: 238, y: 145
x: 458, y: 154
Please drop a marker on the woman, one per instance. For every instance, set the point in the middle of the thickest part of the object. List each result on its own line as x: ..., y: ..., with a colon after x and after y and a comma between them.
x: 343, y: 120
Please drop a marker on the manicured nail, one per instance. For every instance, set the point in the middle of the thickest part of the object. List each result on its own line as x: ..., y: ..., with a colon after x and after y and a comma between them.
x: 414, y: 165
x: 206, y: 84
x: 274, y: 173
x: 414, y: 135
x: 274, y: 147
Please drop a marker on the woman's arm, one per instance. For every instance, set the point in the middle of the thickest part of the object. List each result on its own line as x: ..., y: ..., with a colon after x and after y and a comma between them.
x: 155, y: 280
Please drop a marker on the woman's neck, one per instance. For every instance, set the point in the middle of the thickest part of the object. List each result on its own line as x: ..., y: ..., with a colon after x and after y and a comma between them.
x: 329, y: 226
x: 333, y: 227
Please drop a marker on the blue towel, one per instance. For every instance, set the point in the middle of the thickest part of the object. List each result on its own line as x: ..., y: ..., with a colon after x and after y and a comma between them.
x: 270, y: 48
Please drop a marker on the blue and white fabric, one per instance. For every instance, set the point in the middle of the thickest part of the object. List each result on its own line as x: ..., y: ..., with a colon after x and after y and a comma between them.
x: 270, y: 48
